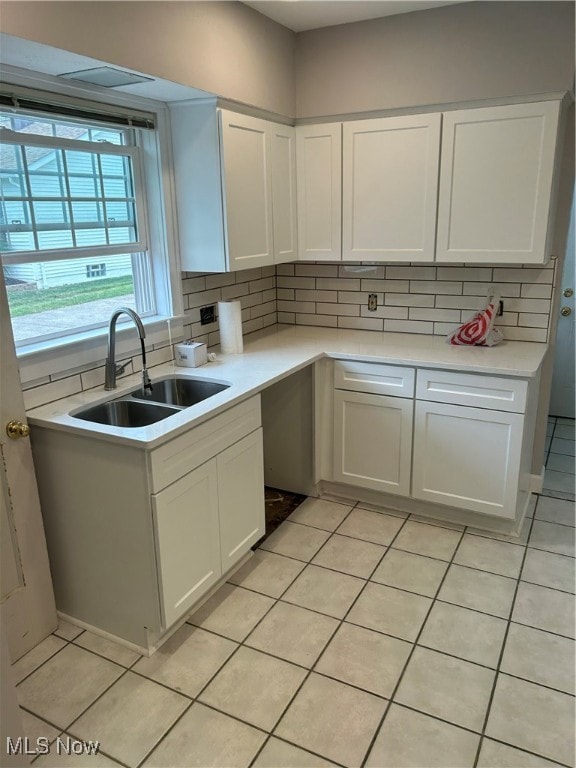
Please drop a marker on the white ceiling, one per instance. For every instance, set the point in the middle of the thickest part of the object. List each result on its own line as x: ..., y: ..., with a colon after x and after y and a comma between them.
x: 300, y: 15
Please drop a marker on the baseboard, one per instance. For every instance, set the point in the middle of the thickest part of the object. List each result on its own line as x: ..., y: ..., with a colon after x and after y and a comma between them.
x: 102, y: 633
x: 155, y: 640
x: 536, y: 482
x: 346, y: 493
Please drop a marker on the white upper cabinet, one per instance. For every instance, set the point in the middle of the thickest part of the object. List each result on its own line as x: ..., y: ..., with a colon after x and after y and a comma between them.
x: 468, y: 186
x: 496, y: 184
x: 319, y: 163
x: 284, y: 215
x: 390, y: 182
x: 247, y: 184
x: 235, y: 179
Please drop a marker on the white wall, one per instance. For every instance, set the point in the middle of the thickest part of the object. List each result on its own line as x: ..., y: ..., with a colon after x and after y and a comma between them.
x: 463, y: 52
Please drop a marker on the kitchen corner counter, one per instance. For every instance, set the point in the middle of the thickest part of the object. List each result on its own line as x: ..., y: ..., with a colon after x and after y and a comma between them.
x: 275, y: 353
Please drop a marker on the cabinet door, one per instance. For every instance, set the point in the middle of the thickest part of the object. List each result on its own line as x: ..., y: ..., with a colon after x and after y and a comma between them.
x: 373, y: 441
x: 241, y: 497
x: 496, y: 183
x: 390, y: 182
x: 247, y: 191
x: 319, y: 164
x: 283, y: 159
x: 467, y: 457
x: 187, y: 540
x: 198, y: 186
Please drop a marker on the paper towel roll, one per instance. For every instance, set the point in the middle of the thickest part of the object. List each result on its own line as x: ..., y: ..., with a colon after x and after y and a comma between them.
x: 230, y: 320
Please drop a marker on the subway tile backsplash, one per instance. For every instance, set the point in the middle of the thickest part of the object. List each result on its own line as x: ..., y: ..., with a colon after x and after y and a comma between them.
x: 410, y: 299
x: 256, y: 290
x: 413, y: 298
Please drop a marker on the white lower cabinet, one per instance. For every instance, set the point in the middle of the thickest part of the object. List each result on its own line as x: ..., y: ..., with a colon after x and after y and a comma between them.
x: 460, y: 443
x: 240, y: 498
x: 467, y: 457
x: 373, y: 441
x: 187, y: 540
x: 138, y: 536
x: 206, y: 521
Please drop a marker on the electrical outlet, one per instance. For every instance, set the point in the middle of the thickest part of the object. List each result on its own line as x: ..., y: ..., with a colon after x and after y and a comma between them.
x: 207, y: 315
x: 372, y: 302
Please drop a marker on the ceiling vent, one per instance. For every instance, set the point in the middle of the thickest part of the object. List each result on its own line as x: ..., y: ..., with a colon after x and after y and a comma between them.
x: 107, y: 77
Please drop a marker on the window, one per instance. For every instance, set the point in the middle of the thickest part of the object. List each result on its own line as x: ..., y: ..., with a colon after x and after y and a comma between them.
x: 73, y: 230
x: 95, y: 270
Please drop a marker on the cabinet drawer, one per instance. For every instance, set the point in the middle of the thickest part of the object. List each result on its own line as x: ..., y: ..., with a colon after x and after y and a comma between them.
x: 374, y: 377
x: 181, y: 455
x: 472, y: 389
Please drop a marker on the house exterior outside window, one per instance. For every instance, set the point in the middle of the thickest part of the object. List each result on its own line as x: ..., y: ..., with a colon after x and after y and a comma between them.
x: 73, y: 232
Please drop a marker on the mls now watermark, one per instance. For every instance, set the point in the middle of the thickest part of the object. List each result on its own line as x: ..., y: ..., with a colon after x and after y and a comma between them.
x: 41, y: 746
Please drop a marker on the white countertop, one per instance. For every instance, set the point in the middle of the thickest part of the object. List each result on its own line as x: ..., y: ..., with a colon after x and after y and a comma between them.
x: 275, y: 353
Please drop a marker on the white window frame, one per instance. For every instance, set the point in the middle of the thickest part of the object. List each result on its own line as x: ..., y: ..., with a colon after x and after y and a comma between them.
x: 44, y: 361
x: 54, y: 142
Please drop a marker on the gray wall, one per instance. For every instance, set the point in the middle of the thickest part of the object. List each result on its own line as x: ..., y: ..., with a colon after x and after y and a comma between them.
x: 224, y: 48
x: 463, y: 52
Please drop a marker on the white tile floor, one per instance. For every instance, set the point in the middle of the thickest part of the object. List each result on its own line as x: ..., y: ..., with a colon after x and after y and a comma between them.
x: 353, y: 637
x: 559, y: 476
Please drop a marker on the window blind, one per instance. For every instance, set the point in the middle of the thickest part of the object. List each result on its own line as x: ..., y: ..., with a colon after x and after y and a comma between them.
x: 56, y: 104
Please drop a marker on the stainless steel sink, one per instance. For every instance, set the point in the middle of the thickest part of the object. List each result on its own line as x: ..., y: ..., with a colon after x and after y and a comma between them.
x: 169, y: 395
x: 180, y: 391
x: 126, y: 413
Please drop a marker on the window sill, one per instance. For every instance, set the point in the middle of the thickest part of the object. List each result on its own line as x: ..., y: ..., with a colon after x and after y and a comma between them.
x: 88, y: 350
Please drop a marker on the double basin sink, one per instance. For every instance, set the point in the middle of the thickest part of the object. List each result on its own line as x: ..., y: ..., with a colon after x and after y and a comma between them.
x: 140, y: 408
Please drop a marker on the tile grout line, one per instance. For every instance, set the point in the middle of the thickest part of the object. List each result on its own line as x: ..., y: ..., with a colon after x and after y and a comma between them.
x: 503, y: 648
x: 402, y: 639
x: 66, y: 643
x: 63, y: 731
x: 340, y: 622
x: 550, y: 446
x: 408, y: 660
x: 66, y: 729
x: 528, y: 752
x: 388, y: 634
x: 195, y: 699
x: 554, y: 522
x: 83, y: 712
x: 73, y: 642
x: 241, y: 644
x: 309, y: 671
x: 410, y: 552
x: 418, y: 554
x: 279, y: 599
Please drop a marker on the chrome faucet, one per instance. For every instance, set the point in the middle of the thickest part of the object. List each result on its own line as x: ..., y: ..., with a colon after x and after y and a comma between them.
x: 111, y: 369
